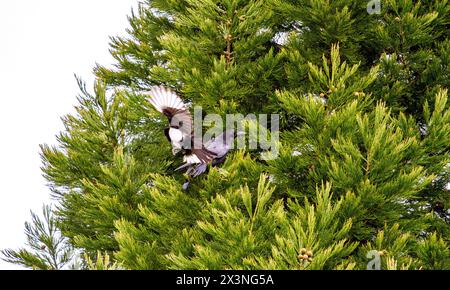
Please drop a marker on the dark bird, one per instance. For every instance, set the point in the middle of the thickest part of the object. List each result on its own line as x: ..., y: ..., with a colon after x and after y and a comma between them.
x: 180, y: 134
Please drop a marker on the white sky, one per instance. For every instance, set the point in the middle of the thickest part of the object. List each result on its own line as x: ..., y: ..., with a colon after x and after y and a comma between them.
x: 42, y: 44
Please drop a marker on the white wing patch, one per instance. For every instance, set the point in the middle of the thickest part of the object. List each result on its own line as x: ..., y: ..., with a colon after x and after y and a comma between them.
x: 191, y: 159
x: 162, y: 98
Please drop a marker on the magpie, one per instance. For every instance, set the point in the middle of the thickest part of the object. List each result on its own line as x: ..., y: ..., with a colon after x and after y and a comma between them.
x: 180, y: 134
x: 219, y: 146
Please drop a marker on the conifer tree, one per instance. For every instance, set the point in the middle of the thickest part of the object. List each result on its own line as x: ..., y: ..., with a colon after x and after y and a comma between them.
x: 46, y: 248
x: 362, y: 175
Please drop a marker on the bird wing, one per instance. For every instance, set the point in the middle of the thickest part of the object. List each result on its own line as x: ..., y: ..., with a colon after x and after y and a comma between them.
x: 221, y: 144
x: 167, y: 102
x: 162, y: 98
x: 213, y: 149
x: 170, y: 104
x: 195, y: 156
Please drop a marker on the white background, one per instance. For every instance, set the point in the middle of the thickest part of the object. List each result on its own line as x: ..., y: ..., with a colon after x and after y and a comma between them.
x: 42, y: 44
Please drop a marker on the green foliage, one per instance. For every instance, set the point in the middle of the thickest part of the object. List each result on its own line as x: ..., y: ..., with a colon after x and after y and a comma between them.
x: 317, y: 229
x: 167, y: 216
x: 401, y: 251
x: 47, y: 248
x: 433, y: 253
x: 359, y: 149
x: 393, y: 247
x: 363, y: 163
x: 232, y: 228
x: 103, y: 262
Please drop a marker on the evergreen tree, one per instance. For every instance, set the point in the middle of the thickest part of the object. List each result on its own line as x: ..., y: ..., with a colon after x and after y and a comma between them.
x: 363, y: 164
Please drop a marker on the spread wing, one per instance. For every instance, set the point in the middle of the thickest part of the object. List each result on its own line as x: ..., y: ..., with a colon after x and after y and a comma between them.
x: 167, y: 102
x: 164, y: 99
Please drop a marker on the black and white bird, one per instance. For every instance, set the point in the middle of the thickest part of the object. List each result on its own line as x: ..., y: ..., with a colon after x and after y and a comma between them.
x: 180, y: 134
x: 219, y: 146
